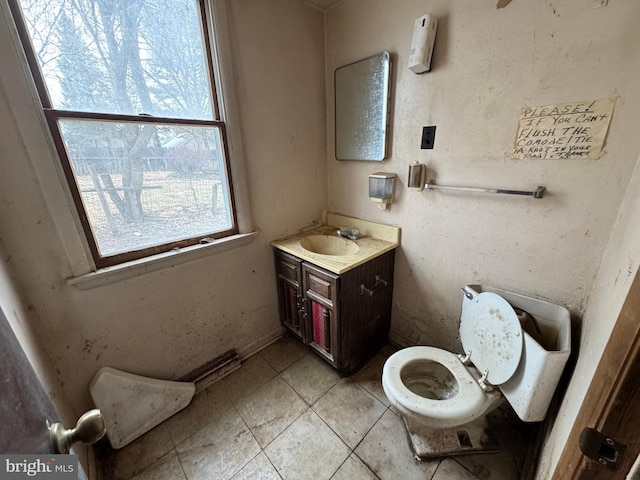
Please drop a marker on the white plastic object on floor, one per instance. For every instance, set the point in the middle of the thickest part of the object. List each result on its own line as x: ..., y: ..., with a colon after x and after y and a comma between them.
x: 132, y: 404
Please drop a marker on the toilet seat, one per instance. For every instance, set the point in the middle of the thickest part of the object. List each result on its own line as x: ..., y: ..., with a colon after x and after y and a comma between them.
x: 491, y: 336
x: 468, y: 404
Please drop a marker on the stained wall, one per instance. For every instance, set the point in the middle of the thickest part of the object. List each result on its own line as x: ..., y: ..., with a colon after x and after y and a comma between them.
x: 488, y: 63
x: 166, y: 322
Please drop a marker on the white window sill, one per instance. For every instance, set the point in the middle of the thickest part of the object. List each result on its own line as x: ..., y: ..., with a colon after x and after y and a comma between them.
x: 124, y: 271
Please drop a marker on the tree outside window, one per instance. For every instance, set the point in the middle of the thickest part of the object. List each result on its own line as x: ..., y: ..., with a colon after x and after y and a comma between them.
x: 128, y: 90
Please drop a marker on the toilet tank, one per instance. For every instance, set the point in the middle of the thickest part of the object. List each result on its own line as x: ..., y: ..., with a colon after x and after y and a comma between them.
x: 544, y: 355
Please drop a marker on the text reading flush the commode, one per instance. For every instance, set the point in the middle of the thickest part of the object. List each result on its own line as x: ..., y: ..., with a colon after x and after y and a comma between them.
x: 564, y: 131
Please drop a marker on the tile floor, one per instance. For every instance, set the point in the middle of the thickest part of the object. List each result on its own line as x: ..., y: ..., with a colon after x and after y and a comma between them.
x: 287, y: 415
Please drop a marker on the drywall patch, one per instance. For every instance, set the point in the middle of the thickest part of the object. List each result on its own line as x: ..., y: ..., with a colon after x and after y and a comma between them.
x: 564, y: 131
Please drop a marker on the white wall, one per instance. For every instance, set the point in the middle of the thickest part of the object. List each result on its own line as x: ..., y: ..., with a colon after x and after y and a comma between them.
x: 617, y: 271
x: 166, y: 323
x: 16, y: 311
x: 487, y: 64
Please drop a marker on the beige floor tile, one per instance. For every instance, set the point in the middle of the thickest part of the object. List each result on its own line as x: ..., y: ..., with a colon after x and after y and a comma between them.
x: 449, y: 469
x: 205, y: 407
x: 353, y: 469
x: 284, y: 352
x: 255, y: 372
x: 214, y: 441
x: 259, y: 468
x: 166, y: 468
x: 139, y: 454
x: 219, y: 450
x: 349, y: 410
x: 386, y: 451
x: 311, y: 377
x: 370, y: 376
x: 270, y: 409
x: 308, y: 449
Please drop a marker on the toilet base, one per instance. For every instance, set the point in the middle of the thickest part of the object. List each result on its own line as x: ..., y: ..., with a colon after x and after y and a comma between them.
x: 429, y: 443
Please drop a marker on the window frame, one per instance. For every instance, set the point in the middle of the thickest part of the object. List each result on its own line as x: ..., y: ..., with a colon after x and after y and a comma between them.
x: 52, y: 116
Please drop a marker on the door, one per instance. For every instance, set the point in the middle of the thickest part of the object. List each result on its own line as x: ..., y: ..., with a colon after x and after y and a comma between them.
x: 612, y: 402
x: 24, y: 405
x: 25, y: 408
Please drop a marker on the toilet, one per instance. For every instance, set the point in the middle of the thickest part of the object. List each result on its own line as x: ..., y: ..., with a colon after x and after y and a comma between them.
x: 515, y: 349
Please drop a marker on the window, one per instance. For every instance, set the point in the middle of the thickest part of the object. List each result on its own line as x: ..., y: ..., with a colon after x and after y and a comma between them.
x: 128, y: 91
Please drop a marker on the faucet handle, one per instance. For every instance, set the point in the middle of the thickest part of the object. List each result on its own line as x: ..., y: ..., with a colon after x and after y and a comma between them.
x: 355, y: 232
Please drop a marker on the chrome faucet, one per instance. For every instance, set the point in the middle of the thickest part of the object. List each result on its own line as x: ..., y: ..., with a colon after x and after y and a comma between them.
x: 350, y: 233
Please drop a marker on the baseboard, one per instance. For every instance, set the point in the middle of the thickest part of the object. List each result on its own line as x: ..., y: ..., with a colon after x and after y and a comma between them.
x: 213, y: 370
x: 261, y: 343
x: 216, y: 369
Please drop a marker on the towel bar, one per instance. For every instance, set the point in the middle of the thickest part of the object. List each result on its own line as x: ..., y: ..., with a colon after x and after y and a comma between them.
x: 537, y: 193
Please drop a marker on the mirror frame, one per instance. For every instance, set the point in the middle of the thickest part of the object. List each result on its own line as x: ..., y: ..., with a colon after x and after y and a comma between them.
x: 362, y: 96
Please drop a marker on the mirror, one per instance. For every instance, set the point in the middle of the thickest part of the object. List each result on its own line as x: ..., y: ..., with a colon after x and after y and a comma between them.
x: 362, y: 104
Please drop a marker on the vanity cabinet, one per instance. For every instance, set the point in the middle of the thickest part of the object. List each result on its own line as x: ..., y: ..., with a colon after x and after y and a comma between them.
x: 343, y: 318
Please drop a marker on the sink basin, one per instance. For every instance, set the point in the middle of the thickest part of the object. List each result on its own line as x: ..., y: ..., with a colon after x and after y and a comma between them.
x: 329, y: 245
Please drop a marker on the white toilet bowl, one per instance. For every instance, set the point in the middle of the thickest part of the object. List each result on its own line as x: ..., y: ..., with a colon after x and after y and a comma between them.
x: 444, y: 398
x: 434, y: 388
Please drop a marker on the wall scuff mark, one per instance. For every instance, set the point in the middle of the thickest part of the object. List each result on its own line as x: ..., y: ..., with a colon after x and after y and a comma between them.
x: 503, y: 3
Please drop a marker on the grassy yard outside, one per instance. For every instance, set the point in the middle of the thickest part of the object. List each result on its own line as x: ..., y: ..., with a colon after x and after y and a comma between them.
x: 175, y: 207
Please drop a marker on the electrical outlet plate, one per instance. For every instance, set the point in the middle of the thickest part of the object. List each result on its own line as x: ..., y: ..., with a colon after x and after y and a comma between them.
x: 428, y: 137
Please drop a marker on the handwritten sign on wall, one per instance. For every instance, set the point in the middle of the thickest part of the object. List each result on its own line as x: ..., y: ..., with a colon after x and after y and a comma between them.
x: 564, y: 131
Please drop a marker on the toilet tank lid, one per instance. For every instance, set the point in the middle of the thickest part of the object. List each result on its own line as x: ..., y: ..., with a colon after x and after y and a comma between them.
x: 491, y: 335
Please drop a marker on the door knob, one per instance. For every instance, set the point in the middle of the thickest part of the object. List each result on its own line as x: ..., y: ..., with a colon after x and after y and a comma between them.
x: 89, y: 429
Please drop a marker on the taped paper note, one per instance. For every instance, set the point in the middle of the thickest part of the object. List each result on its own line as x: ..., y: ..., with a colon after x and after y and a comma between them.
x: 564, y: 131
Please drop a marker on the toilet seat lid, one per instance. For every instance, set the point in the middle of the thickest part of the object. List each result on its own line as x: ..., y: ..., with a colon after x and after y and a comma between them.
x: 491, y: 331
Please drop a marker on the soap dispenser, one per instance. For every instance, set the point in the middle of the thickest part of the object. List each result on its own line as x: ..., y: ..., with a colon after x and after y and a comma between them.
x: 381, y: 188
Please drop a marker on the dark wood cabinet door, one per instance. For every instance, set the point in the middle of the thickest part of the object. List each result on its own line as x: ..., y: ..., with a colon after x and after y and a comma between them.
x: 322, y: 311
x: 289, y: 272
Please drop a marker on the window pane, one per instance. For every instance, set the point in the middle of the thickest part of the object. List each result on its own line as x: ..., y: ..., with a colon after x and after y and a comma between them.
x: 122, y: 56
x: 146, y: 184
